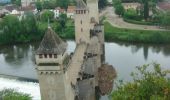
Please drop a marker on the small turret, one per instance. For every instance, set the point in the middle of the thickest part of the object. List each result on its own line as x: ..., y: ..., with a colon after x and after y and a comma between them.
x: 50, y: 58
x: 51, y: 50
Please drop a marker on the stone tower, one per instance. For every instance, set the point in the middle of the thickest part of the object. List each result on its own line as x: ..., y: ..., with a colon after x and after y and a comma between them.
x: 50, y: 58
x: 82, y: 22
x: 93, y: 10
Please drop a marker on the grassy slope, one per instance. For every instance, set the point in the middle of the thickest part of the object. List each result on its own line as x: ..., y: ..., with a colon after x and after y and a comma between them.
x: 131, y: 35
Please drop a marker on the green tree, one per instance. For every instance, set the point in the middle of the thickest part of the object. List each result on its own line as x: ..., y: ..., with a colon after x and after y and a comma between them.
x: 11, y: 27
x: 165, y: 20
x: 39, y: 5
x: 46, y: 14
x: 147, y: 4
x: 63, y: 3
x: 49, y: 4
x: 131, y: 14
x: 57, y: 27
x: 146, y: 9
x: 102, y: 4
x: 150, y: 82
x: 17, y: 2
x: 119, y: 9
x: 63, y: 20
x: 11, y: 94
x: 29, y: 27
x: 116, y: 2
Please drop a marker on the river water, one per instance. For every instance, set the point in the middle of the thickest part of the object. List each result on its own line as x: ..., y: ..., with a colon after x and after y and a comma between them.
x: 18, y: 60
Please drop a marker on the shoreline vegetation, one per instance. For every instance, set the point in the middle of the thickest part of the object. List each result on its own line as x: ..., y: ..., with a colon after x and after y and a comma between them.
x: 146, y: 84
x: 34, y: 31
x: 7, y: 94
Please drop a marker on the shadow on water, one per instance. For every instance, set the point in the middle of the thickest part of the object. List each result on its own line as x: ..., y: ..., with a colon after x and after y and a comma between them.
x: 155, y: 48
x: 16, y: 55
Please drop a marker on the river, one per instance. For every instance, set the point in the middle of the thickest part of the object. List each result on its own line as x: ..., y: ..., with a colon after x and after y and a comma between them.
x: 18, y: 60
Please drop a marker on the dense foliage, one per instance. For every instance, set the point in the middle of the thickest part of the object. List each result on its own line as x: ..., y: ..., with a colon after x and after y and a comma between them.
x: 150, y: 82
x: 119, y: 9
x: 51, y: 4
x: 132, y: 14
x: 17, y: 2
x: 14, y: 30
x: 47, y: 15
x: 165, y: 19
x: 32, y: 28
x: 102, y: 4
x: 10, y: 94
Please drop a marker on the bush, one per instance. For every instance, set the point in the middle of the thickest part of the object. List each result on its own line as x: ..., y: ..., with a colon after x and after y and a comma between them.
x: 119, y: 9
x: 132, y: 14
x: 47, y: 15
x: 138, y: 22
x: 11, y: 94
x: 149, y: 83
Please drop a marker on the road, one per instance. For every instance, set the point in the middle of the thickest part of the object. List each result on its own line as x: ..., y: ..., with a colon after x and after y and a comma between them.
x: 117, y: 21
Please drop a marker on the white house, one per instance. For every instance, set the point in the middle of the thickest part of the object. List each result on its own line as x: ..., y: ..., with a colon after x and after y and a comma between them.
x: 25, y: 3
x: 57, y: 12
x: 71, y: 11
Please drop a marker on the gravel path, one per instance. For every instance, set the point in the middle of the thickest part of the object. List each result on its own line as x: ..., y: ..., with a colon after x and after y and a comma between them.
x: 117, y: 21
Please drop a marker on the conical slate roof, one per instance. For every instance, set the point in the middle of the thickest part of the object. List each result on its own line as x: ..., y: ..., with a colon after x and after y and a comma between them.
x: 81, y: 4
x: 51, y: 44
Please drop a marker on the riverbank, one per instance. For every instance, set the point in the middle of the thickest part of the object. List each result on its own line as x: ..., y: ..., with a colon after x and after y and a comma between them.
x: 114, y: 34
x: 138, y: 36
x: 20, y: 78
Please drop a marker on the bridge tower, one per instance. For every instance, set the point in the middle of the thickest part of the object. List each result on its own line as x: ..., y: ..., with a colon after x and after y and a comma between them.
x: 50, y: 58
x: 93, y: 10
x: 82, y: 22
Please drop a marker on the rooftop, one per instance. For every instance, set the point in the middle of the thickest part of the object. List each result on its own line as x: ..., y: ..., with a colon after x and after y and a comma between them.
x: 71, y: 9
x: 51, y: 44
x: 81, y: 4
x: 164, y: 5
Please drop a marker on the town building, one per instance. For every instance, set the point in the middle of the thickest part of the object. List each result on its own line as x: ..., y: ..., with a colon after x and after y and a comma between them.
x: 25, y: 3
x: 71, y: 11
x: 131, y: 5
x: 163, y: 6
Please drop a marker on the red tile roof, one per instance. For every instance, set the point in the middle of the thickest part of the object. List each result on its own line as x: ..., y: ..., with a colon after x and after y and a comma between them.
x: 71, y: 9
x: 164, y: 5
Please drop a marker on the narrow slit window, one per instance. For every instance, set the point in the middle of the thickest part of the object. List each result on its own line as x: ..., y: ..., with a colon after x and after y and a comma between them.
x: 40, y: 56
x: 45, y: 55
x: 81, y: 22
x: 50, y: 55
x: 55, y: 55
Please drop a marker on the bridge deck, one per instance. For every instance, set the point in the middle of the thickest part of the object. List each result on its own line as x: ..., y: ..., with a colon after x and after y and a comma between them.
x: 76, y: 63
